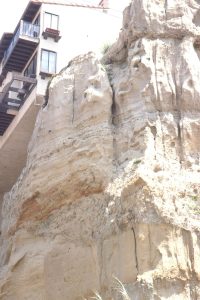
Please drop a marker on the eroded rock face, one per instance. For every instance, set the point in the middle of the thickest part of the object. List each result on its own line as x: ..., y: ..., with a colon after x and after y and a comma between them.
x: 112, y: 184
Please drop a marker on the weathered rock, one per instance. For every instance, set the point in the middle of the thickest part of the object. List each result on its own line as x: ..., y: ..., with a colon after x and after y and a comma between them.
x: 112, y: 182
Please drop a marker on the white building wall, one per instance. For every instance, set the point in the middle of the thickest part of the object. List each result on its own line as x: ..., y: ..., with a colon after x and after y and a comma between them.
x: 81, y: 30
x: 118, y: 5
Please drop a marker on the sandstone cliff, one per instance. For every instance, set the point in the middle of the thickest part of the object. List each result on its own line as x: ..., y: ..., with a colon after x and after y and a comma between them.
x: 112, y: 182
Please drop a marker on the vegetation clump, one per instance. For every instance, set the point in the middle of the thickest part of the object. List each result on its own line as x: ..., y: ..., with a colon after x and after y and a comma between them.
x: 118, y: 287
x: 105, y: 48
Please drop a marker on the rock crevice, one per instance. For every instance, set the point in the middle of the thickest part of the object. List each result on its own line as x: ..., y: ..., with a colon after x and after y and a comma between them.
x: 112, y: 180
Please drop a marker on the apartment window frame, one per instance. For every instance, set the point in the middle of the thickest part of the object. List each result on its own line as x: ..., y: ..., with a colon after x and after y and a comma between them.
x: 32, y: 66
x: 48, y: 31
x: 44, y: 72
x: 51, y: 14
x: 37, y: 20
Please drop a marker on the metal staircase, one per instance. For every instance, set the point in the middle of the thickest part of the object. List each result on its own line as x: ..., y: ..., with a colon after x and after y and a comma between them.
x: 12, y: 98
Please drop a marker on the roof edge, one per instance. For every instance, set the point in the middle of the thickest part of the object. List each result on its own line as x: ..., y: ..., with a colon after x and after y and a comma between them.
x: 67, y: 3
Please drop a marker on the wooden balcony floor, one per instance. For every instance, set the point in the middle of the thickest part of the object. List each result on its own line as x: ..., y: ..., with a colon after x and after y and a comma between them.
x: 20, y: 55
x: 5, y: 121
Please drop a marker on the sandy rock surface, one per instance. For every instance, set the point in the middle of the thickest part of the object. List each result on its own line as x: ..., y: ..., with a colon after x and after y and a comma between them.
x: 112, y: 181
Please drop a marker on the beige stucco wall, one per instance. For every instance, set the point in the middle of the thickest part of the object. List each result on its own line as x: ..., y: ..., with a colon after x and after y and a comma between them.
x: 82, y: 30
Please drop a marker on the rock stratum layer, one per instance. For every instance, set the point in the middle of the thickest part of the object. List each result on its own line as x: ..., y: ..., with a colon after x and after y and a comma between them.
x: 112, y: 182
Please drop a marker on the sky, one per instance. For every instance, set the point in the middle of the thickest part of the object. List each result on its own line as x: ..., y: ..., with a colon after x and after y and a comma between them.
x: 10, y: 13
x: 12, y: 10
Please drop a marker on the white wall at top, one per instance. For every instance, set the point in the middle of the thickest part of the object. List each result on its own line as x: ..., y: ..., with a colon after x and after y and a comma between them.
x: 118, y: 5
x: 82, y: 30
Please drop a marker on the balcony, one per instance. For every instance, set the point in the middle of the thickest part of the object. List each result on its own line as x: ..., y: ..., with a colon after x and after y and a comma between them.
x: 13, y: 96
x: 21, y: 48
x: 52, y: 33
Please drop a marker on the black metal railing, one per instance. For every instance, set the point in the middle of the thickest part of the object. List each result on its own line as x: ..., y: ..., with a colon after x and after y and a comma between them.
x: 29, y: 29
x: 16, y: 92
x: 24, y: 29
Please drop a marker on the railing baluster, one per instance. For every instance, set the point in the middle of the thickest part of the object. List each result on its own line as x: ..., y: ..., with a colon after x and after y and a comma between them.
x: 30, y: 30
x: 26, y: 29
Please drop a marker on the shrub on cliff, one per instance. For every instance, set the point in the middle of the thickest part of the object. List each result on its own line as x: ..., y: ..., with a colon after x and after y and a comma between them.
x: 119, y: 289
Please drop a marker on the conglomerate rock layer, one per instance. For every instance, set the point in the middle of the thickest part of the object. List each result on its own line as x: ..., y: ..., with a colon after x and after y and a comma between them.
x: 112, y: 182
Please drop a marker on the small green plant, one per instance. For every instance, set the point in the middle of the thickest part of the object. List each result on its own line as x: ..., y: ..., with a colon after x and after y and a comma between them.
x: 138, y: 161
x: 105, y: 48
x: 194, y: 197
x: 196, y: 211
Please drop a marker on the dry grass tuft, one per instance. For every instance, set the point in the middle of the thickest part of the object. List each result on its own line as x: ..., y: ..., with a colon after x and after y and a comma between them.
x: 118, y: 287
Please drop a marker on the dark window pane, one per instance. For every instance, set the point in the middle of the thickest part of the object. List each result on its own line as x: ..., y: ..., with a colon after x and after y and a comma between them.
x: 48, y: 62
x: 37, y: 21
x: 31, y: 69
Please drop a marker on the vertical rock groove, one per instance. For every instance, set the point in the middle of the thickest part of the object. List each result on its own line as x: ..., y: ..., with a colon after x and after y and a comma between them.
x: 93, y: 194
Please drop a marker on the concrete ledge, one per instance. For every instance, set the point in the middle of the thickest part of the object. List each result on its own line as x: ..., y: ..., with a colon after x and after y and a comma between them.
x: 14, y: 143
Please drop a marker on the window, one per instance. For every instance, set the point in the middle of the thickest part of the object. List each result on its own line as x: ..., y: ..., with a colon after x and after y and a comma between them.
x: 31, y: 69
x: 50, y: 21
x: 37, y: 21
x: 48, y: 61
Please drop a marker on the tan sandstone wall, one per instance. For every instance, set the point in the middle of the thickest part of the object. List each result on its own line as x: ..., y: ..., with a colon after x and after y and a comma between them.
x: 112, y: 182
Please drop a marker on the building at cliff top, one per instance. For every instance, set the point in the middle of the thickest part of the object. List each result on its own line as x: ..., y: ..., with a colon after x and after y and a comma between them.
x: 48, y: 35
